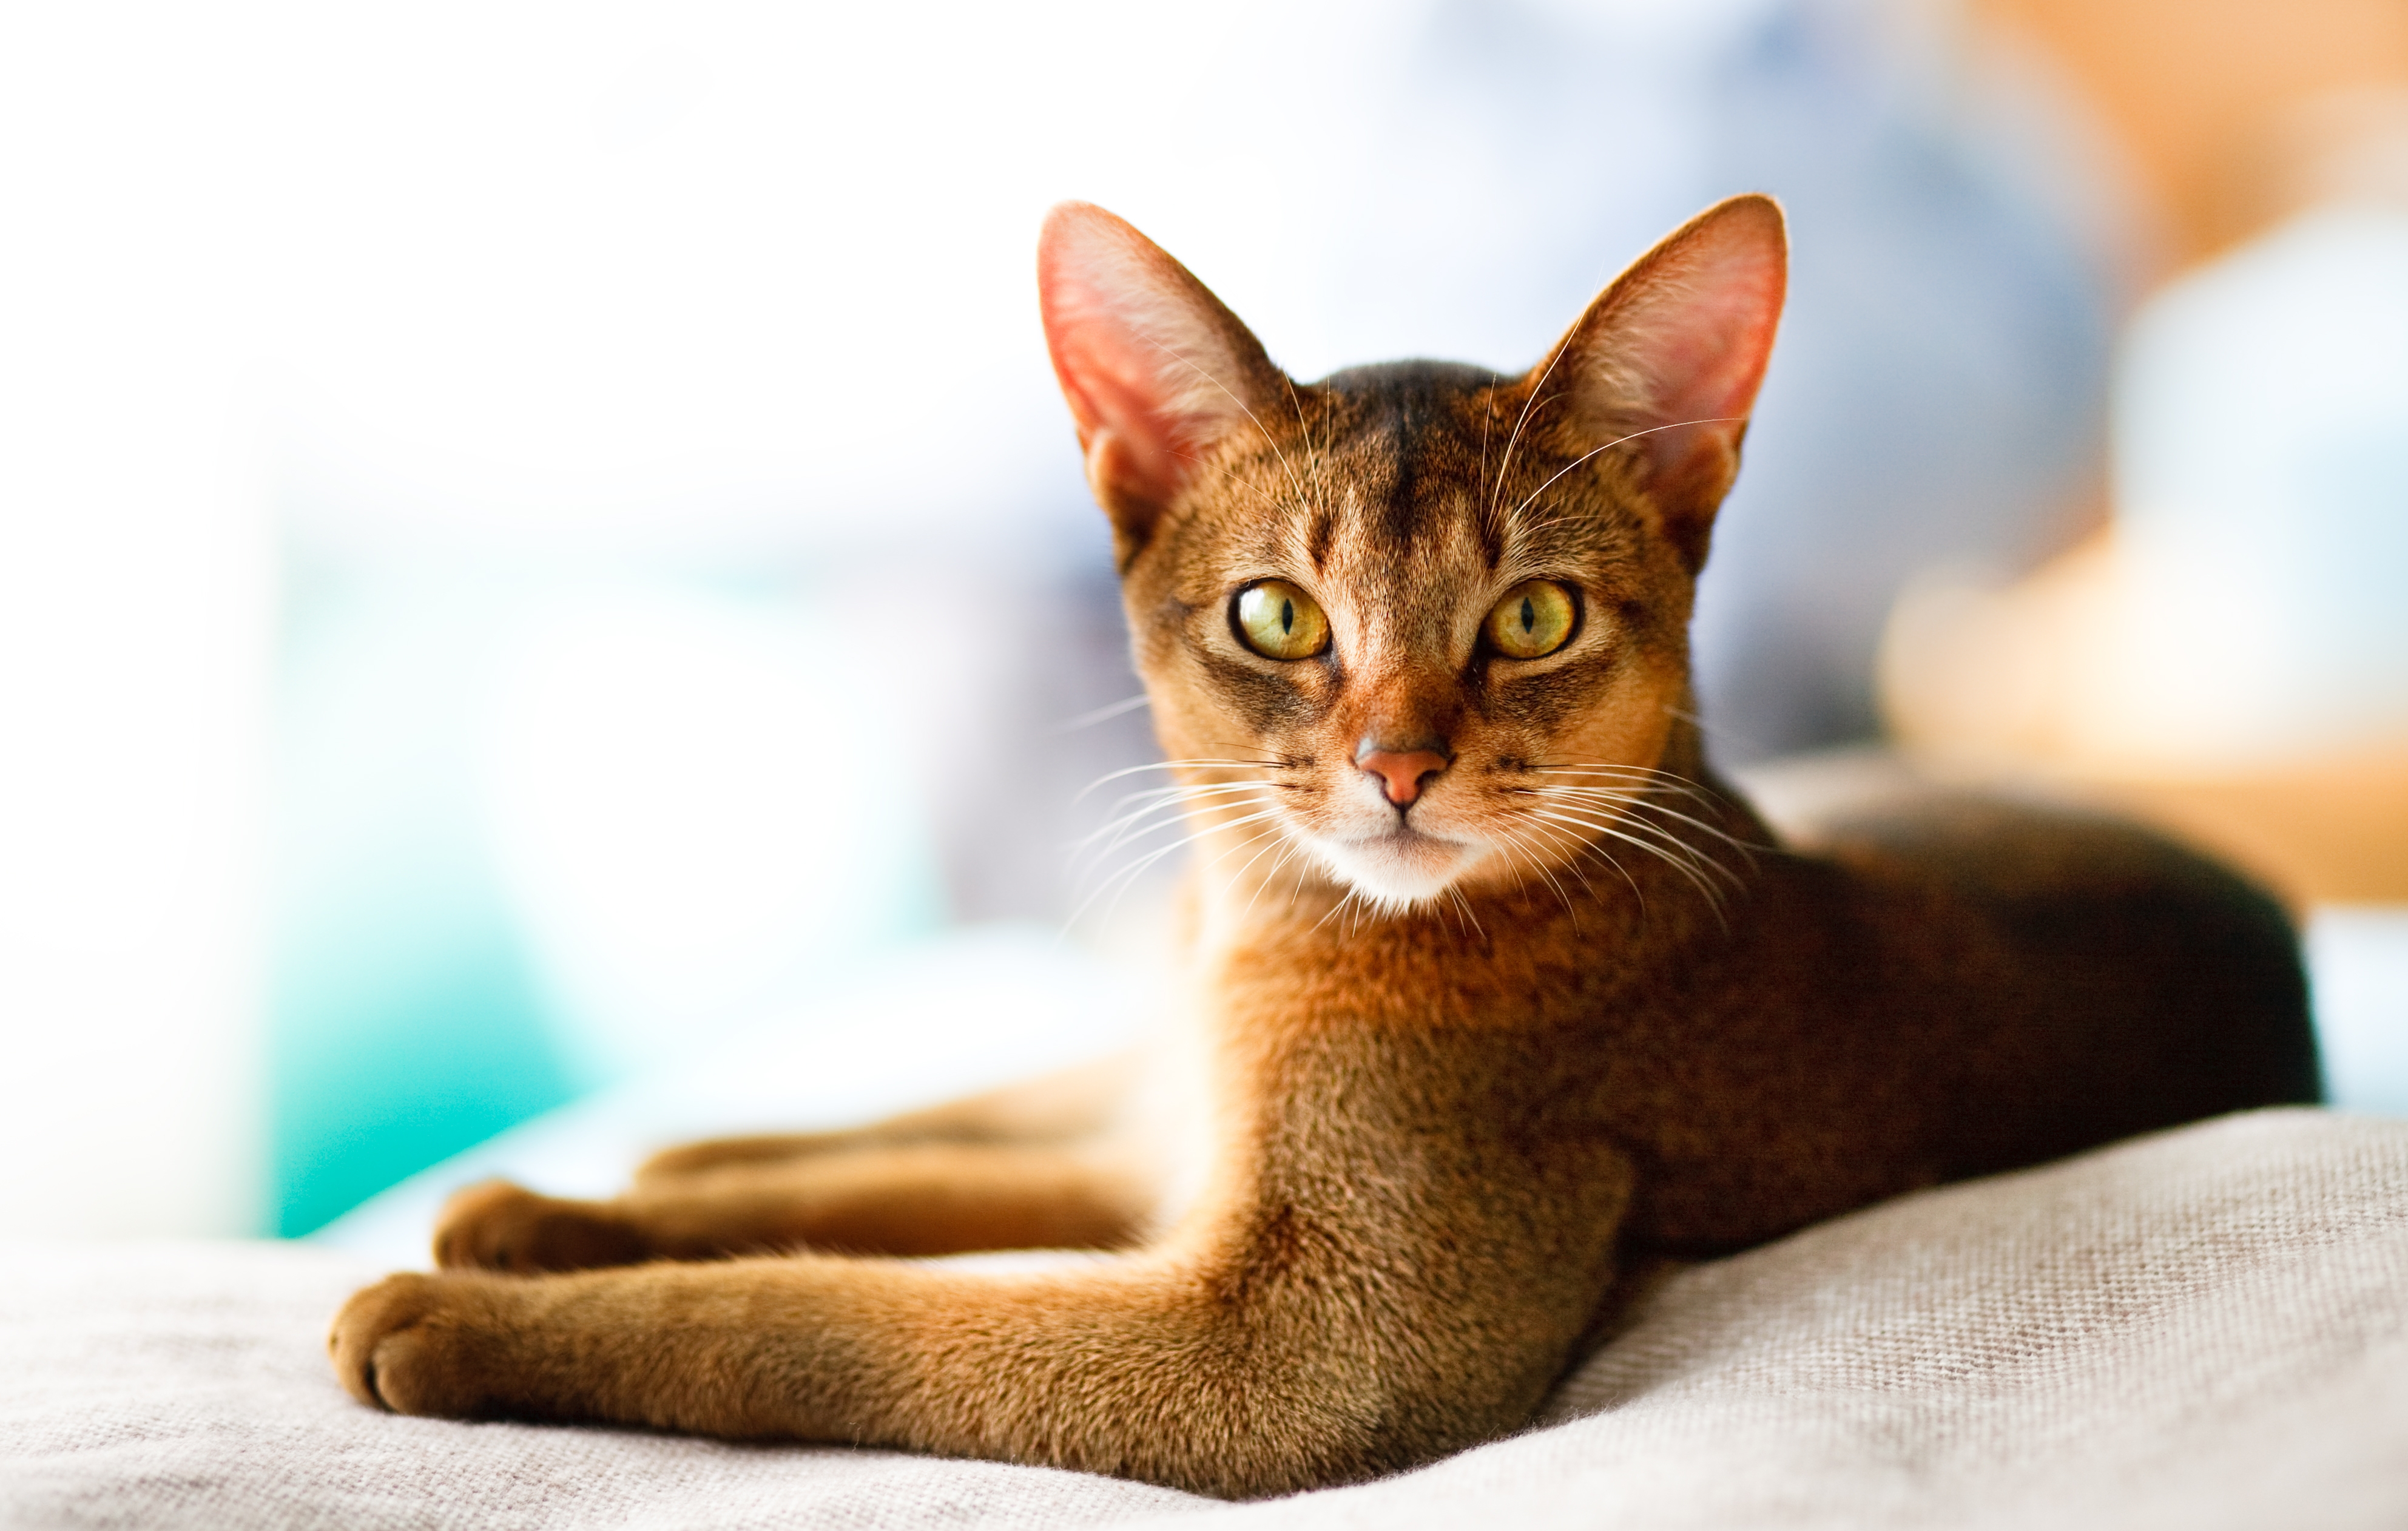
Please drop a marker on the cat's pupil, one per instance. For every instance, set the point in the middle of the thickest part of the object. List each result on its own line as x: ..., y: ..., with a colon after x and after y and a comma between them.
x: 1287, y: 616
x: 1529, y: 616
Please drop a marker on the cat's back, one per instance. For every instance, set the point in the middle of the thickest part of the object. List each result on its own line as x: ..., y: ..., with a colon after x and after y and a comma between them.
x: 2113, y: 982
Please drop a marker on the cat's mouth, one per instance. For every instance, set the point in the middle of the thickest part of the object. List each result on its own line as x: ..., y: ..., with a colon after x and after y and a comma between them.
x: 1404, y: 836
x: 1401, y: 865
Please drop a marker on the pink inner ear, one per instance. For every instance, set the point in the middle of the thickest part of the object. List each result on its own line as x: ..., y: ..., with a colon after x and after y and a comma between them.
x: 1092, y: 347
x: 1120, y: 420
x: 1686, y: 335
x: 1718, y: 344
x: 1671, y: 356
x: 1144, y: 354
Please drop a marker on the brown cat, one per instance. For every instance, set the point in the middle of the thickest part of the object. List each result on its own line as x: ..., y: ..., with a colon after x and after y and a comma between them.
x: 1497, y: 995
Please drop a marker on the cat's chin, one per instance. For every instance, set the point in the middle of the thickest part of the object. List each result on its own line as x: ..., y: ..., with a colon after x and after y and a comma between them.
x: 1400, y: 869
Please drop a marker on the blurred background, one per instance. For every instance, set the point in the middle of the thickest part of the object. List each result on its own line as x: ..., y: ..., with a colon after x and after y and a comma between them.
x: 538, y: 541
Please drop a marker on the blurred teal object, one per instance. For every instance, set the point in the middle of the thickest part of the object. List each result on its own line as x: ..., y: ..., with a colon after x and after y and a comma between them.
x: 539, y: 832
x: 383, y: 1067
x: 2357, y: 963
x: 406, y: 1022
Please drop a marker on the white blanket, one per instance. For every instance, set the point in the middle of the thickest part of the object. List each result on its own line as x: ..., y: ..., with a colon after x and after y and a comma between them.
x: 2204, y: 1329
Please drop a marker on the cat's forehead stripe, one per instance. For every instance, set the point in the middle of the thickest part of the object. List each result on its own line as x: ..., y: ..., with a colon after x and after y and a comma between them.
x: 1403, y: 412
x: 1321, y: 532
x: 1385, y: 481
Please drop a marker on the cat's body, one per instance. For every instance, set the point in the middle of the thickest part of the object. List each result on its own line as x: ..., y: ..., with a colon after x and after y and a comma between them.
x: 1511, y: 996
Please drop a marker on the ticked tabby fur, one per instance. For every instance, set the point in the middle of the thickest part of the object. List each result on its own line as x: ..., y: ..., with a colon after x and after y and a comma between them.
x: 1499, y: 991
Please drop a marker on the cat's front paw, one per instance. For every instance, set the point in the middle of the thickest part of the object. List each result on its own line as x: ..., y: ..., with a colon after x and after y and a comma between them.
x: 419, y: 1344
x: 499, y: 1226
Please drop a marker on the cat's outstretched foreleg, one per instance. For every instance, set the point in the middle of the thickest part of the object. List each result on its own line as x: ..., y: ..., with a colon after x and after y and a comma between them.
x: 1264, y: 1349
x: 1326, y: 1307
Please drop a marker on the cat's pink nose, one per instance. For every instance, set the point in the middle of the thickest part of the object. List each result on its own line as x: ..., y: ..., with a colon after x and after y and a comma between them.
x: 1401, y: 772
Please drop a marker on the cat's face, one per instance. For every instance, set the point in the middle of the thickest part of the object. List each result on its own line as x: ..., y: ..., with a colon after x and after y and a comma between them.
x: 1380, y: 592
x: 1415, y: 627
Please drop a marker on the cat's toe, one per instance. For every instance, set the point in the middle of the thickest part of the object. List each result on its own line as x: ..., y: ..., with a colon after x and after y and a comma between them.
x: 499, y: 1226
x: 416, y: 1344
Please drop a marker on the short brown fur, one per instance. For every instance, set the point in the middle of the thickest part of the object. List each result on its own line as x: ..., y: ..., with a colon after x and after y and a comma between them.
x: 1466, y: 1058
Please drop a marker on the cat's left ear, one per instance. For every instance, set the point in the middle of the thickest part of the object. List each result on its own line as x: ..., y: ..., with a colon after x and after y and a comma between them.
x: 1670, y: 357
x: 1155, y: 369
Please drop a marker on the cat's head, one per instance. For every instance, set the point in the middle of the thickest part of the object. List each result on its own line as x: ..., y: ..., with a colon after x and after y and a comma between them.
x: 1417, y: 626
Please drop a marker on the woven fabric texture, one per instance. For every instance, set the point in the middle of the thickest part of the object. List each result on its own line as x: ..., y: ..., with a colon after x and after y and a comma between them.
x: 2204, y: 1330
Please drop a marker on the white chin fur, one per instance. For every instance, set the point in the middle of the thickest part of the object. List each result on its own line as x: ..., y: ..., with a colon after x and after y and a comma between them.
x: 1395, y: 872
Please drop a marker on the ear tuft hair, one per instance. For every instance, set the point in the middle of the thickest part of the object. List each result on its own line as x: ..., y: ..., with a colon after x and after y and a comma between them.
x: 1671, y: 355
x: 1155, y: 370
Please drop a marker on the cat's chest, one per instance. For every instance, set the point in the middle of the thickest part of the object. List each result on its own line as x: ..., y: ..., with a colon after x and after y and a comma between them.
x: 1557, y: 977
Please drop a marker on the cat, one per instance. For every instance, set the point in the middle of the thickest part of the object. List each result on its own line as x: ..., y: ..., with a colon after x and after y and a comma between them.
x: 1501, y: 993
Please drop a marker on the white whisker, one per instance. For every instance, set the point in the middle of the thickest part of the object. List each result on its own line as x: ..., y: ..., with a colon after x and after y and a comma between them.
x: 1640, y: 803
x: 1334, y: 910
x: 1712, y: 895
x: 1517, y: 845
x: 1232, y: 881
x: 1529, y: 402
x: 1140, y: 806
x: 1691, y: 855
x: 1719, y: 420
x: 1288, y: 850
x: 1175, y: 814
x: 1104, y: 714
x: 1285, y: 467
x: 1465, y: 909
x: 1173, y: 765
x: 1119, y: 881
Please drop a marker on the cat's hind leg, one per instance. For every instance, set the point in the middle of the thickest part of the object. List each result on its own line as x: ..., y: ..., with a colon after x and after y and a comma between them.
x: 1027, y: 1167
x: 1073, y: 1103
x: 910, y: 1200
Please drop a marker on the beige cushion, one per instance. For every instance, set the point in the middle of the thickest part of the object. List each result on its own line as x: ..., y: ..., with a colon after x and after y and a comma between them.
x: 2204, y: 1329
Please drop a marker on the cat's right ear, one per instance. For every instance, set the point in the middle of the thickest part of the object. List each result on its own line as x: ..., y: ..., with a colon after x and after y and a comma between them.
x: 1669, y: 358
x: 1155, y: 370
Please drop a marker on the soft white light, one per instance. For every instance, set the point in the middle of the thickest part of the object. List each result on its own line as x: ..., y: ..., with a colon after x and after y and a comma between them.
x: 715, y: 277
x: 135, y: 614
x: 701, y: 807
x: 2261, y: 442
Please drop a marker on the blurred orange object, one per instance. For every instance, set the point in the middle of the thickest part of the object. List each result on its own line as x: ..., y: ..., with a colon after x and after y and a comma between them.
x: 2016, y: 686
x: 2120, y: 673
x: 2225, y: 106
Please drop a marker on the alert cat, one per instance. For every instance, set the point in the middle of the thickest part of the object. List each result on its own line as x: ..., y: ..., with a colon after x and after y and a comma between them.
x: 1494, y: 997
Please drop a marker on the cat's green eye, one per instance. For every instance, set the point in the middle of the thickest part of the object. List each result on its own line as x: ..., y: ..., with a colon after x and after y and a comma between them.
x: 1280, y: 621
x: 1535, y: 619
